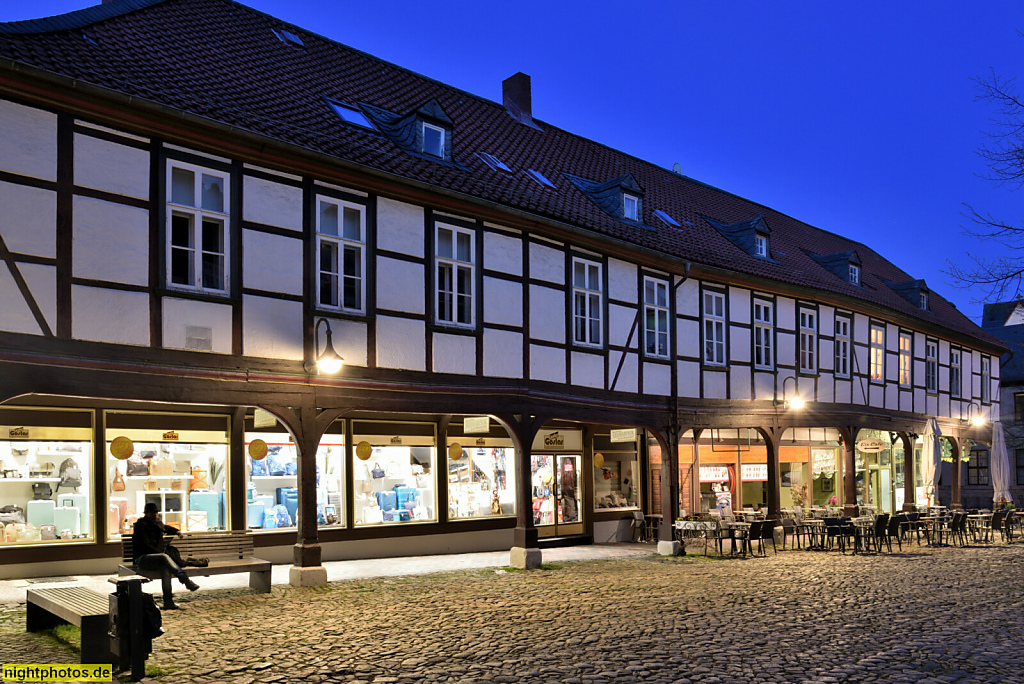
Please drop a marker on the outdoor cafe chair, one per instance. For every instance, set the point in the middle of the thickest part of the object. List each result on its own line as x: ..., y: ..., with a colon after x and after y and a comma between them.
x: 876, y: 534
x: 895, y: 530
x: 958, y: 528
x: 792, y: 528
x: 1010, y: 520
x: 768, y: 534
x: 911, y: 525
x: 834, y: 533
x: 997, y: 524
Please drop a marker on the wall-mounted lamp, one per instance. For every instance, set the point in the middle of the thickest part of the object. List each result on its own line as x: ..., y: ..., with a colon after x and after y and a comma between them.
x: 329, y: 361
x: 975, y: 417
x: 796, y: 402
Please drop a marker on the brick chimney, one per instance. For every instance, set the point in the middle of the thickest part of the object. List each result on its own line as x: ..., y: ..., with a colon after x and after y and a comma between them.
x: 517, y: 98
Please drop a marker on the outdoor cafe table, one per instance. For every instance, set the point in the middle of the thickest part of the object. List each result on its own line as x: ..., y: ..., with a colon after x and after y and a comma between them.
x: 863, y: 525
x: 815, y: 532
x: 981, y: 527
x: 732, y: 528
x: 937, y: 527
x: 696, y: 529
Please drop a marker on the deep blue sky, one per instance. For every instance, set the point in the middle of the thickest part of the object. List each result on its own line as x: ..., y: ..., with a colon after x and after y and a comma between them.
x: 859, y: 118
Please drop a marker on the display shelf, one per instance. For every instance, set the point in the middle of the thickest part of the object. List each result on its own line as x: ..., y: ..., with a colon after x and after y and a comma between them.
x: 157, y: 477
x: 28, y: 480
x: 274, y: 477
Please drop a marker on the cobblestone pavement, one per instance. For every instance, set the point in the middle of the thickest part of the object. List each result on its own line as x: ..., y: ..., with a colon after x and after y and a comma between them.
x: 924, y: 615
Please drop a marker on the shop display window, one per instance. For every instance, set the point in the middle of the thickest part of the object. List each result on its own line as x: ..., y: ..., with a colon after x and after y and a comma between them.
x: 179, y: 462
x: 481, y: 480
x: 616, y: 479
x: 394, y: 474
x: 46, y: 482
x: 272, y: 496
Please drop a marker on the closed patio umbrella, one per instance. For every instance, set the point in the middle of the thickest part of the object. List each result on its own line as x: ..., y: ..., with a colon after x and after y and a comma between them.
x: 931, y: 454
x: 999, y: 464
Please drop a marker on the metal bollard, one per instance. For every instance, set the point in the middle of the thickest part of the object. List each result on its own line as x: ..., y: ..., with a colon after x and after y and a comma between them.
x: 128, y: 641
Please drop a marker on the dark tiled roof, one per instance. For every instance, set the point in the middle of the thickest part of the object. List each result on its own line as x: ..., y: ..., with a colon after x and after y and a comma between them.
x: 994, y: 321
x: 220, y: 60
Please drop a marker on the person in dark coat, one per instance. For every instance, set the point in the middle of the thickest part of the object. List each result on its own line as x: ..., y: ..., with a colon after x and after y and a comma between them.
x: 150, y: 553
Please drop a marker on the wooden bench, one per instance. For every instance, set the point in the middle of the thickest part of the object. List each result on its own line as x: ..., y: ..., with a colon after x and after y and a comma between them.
x: 86, y: 609
x: 229, y: 552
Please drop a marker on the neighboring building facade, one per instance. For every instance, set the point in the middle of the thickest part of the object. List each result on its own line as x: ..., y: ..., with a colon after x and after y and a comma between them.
x: 541, y: 335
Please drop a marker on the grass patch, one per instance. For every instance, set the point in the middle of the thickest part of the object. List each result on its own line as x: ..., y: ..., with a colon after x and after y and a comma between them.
x: 68, y: 635
x: 550, y: 566
x: 157, y: 671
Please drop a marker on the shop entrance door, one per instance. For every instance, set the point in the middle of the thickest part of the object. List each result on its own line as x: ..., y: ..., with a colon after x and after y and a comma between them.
x: 557, y: 495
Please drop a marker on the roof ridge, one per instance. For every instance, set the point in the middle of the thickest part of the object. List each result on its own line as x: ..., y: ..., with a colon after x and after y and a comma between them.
x: 75, y: 19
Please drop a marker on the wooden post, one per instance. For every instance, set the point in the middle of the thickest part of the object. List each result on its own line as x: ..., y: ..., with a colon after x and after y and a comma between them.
x: 909, y: 479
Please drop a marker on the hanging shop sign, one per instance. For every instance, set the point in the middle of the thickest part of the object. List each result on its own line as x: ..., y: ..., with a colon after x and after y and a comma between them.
x: 263, y: 419
x: 625, y: 435
x: 473, y: 425
x: 754, y: 472
x: 258, y: 449
x: 871, y: 446
x: 714, y: 473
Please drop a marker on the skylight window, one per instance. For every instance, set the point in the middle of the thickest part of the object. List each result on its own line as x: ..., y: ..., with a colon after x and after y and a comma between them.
x: 761, y: 245
x: 288, y: 38
x: 668, y: 220
x: 540, y: 178
x: 630, y: 207
x: 855, y: 274
x: 493, y: 162
x: 349, y: 114
x: 433, y: 140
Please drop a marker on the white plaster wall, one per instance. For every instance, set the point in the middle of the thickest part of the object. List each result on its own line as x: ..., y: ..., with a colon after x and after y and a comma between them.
x: 785, y: 348
x: 272, y: 263
x: 15, y: 314
x: 350, y: 341
x: 503, y: 302
x: 180, y: 313
x: 399, y: 227
x: 739, y: 344
x: 588, y: 370
x: 28, y: 222
x: 657, y: 379
x: 943, y: 378
x: 805, y: 387
x: 547, y: 264
x: 826, y: 321
x: 42, y: 284
x: 826, y: 355
x: 400, y: 286
x: 689, y: 378
x: 688, y: 338
x: 28, y: 145
x: 547, y: 363
x: 826, y: 388
x: 503, y: 354
x: 892, y: 337
x: 715, y: 384
x: 503, y: 253
x: 892, y: 397
x: 622, y: 282
x: 764, y: 385
x: 620, y: 322
x: 844, y: 392
x: 401, y: 343
x: 944, y: 406
x: 861, y: 325
x: 115, y: 316
x: 272, y: 328
x: 111, y: 167
x: 272, y: 204
x: 739, y: 382
x: 918, y: 346
x: 920, y: 402
x: 547, y: 314
x: 918, y: 373
x: 629, y: 380
x: 688, y: 298
x: 860, y: 358
x: 931, y: 405
x: 785, y: 313
x: 454, y: 354
x: 111, y: 242
x: 739, y: 305
x: 892, y: 368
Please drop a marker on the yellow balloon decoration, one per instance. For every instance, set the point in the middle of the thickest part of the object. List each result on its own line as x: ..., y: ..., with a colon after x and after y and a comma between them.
x: 455, y: 451
x: 121, y: 448
x: 258, y: 449
x: 363, y: 450
x: 598, y: 460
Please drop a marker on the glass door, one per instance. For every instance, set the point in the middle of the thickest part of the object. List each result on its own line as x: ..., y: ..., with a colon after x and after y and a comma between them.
x: 557, y: 495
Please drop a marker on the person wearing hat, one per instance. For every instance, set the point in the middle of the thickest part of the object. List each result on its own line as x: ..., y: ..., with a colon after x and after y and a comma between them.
x: 150, y: 553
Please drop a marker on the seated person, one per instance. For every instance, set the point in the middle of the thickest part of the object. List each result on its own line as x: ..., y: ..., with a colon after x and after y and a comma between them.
x: 151, y: 555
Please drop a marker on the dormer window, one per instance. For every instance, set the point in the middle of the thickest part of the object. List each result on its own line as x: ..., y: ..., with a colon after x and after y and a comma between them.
x: 433, y: 140
x: 761, y: 245
x: 630, y: 207
x: 924, y: 301
x: 854, y: 274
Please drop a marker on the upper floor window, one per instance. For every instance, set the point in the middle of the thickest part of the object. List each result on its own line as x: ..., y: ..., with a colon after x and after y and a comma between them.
x: 761, y: 245
x: 986, y: 379
x: 1020, y: 466
x: 433, y: 140
x: 906, y: 358
x: 197, y: 234
x: 842, y: 347
x: 340, y: 247
x: 955, y: 374
x: 455, y: 262
x: 808, y: 341
x: 630, y: 207
x: 924, y: 301
x: 931, y: 366
x: 877, y: 358
x: 763, y: 337
x: 855, y: 274
x: 656, y: 317
x: 1018, y: 408
x: 714, y: 328
x: 586, y: 302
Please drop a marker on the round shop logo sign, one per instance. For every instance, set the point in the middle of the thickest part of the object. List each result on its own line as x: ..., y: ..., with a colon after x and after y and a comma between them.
x: 598, y: 460
x: 257, y: 449
x: 121, y: 448
x: 455, y: 451
x: 363, y: 450
x: 871, y: 446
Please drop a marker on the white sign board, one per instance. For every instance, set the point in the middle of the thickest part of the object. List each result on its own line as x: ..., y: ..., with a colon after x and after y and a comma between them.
x: 714, y: 474
x: 263, y: 419
x: 627, y: 435
x: 754, y: 472
x: 476, y: 425
x: 871, y: 446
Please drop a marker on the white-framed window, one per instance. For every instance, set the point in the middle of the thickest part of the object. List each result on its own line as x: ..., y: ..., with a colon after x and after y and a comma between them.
x: 714, y: 328
x: 906, y: 358
x: 456, y: 270
x: 761, y: 245
x: 198, y: 201
x: 764, y: 327
x: 955, y: 374
x: 876, y: 361
x: 340, y: 255
x: 855, y: 274
x: 586, y: 302
x: 630, y: 207
x: 656, y: 317
x: 433, y: 140
x: 986, y: 379
x: 924, y: 301
x: 808, y: 341
x: 842, y: 347
x: 931, y: 366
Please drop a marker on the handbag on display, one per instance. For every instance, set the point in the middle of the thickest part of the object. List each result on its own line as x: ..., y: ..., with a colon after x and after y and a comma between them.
x: 149, y: 485
x: 200, y: 479
x: 161, y: 465
x: 137, y: 466
x: 377, y: 471
x: 41, y: 490
x: 175, y: 484
x: 12, y: 514
x: 118, y: 484
x: 41, y: 470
